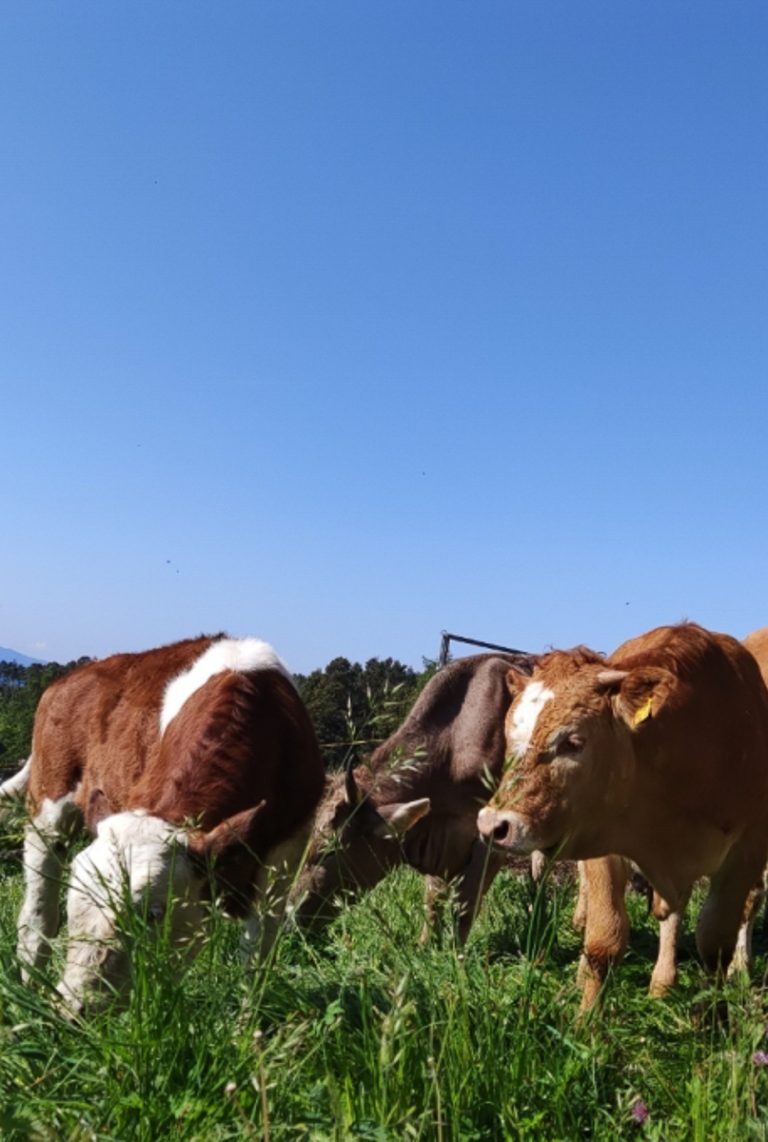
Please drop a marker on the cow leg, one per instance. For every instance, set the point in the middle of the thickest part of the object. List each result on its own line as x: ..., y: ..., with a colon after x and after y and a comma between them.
x: 538, y: 867
x: 742, y: 956
x: 579, y: 920
x: 274, y: 882
x: 473, y: 882
x: 435, y: 896
x: 664, y: 975
x: 607, y: 927
x: 43, y: 867
x: 725, y: 909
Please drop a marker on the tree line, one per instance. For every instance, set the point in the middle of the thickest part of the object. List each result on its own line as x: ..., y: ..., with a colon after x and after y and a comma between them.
x: 353, y: 706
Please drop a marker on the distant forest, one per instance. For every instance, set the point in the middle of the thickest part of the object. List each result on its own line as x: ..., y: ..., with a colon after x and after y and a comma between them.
x: 354, y: 707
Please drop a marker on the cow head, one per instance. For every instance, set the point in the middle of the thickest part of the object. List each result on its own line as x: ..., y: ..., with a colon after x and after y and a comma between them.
x: 571, y: 734
x: 356, y: 841
x: 140, y: 870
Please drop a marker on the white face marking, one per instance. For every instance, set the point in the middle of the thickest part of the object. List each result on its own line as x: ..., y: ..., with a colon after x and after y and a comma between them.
x: 135, y: 861
x: 241, y: 654
x: 523, y: 721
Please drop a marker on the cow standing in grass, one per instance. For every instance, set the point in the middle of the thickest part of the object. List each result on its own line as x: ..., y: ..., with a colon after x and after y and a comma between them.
x: 416, y: 800
x: 197, y: 767
x: 658, y: 753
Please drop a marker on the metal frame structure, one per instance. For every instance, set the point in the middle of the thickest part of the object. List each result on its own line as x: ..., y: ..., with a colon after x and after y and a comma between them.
x: 446, y: 638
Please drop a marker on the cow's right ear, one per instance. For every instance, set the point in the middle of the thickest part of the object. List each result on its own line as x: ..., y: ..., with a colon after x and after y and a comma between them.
x: 517, y: 680
x: 225, y: 854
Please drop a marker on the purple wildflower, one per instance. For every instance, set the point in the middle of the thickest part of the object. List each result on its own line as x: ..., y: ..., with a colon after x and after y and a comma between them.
x: 760, y: 1058
x: 639, y: 1112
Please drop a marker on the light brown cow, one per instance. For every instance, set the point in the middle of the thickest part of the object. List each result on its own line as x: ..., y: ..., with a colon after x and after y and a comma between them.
x: 603, y: 883
x: 416, y: 800
x: 198, y: 767
x: 659, y: 753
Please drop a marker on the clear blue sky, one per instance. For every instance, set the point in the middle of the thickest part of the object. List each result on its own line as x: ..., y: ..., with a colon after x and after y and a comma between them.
x: 340, y: 322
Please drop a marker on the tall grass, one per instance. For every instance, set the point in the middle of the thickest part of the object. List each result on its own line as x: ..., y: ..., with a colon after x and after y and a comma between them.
x: 369, y: 1036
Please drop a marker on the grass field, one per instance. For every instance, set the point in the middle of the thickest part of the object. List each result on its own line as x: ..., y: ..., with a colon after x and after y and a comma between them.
x: 368, y: 1036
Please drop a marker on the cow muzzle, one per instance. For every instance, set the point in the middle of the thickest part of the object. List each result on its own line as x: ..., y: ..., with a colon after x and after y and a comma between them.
x: 505, y: 830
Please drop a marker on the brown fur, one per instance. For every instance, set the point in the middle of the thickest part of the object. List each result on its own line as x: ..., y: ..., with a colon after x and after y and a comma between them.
x: 449, y: 749
x: 681, y: 792
x: 240, y: 740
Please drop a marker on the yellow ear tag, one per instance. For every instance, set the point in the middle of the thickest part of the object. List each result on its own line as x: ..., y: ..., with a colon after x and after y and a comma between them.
x: 643, y: 712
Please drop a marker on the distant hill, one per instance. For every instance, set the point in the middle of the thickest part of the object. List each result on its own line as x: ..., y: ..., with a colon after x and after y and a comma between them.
x: 8, y: 655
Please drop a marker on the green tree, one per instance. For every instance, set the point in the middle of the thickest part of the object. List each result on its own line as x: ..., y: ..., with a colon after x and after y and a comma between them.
x: 20, y: 690
x: 355, y: 707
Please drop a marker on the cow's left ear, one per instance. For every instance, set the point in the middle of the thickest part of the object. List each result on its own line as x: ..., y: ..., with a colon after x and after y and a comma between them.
x: 638, y: 696
x: 226, y: 854
x: 516, y: 680
x: 398, y: 817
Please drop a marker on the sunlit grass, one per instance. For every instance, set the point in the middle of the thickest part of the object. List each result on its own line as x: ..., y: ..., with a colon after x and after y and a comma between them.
x: 369, y: 1036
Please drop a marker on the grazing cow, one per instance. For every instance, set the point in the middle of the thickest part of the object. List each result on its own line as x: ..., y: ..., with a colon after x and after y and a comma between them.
x: 198, y: 769
x: 658, y: 753
x: 416, y: 800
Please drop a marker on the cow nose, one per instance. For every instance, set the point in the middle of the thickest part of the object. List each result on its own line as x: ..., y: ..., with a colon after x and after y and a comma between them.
x: 492, y: 825
x: 501, y: 831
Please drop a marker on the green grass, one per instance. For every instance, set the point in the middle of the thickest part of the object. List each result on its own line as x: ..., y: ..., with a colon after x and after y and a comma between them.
x: 368, y: 1036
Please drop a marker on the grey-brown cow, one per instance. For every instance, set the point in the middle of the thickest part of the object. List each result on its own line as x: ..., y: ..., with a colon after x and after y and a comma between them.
x: 416, y: 801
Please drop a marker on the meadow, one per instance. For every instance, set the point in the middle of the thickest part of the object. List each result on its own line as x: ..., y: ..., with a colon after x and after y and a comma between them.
x: 367, y: 1035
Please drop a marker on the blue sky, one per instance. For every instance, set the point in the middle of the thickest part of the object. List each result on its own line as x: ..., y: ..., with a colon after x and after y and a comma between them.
x: 341, y: 322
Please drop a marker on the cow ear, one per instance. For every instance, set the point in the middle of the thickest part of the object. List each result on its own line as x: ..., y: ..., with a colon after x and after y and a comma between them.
x: 225, y: 853
x: 394, y: 820
x: 517, y: 680
x: 639, y: 696
x: 99, y: 806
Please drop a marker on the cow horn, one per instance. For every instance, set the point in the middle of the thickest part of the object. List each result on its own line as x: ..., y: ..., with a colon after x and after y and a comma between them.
x: 611, y: 677
x: 350, y: 785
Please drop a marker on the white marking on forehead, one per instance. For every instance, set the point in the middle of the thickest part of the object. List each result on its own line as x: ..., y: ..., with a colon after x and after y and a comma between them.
x: 533, y: 698
x: 241, y: 654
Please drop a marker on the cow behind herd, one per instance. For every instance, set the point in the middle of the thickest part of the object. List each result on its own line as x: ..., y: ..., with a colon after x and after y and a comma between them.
x: 196, y: 770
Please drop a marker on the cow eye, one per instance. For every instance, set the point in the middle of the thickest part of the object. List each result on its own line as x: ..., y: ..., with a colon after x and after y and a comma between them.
x: 155, y: 913
x: 568, y: 744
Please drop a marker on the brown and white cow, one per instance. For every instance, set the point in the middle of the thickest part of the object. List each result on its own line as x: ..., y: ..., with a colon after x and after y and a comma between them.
x: 416, y: 800
x: 658, y: 753
x: 198, y: 768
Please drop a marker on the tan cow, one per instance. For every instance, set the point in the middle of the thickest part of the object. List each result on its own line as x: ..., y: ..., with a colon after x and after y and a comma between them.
x: 603, y: 883
x: 659, y: 753
x: 196, y: 765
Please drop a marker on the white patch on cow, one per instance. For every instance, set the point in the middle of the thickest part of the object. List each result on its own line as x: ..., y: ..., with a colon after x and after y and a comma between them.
x: 131, y: 851
x: 240, y: 654
x: 39, y: 915
x: 16, y: 785
x: 136, y: 861
x: 525, y: 715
